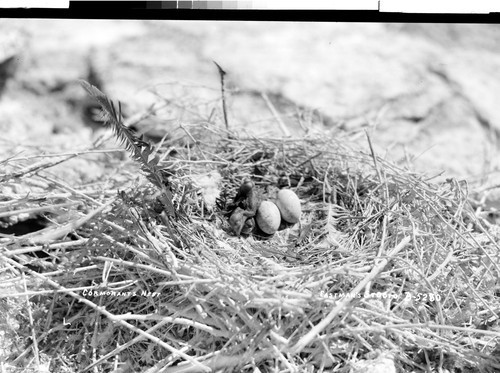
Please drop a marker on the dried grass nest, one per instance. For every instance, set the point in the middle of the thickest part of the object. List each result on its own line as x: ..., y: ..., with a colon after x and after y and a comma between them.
x: 386, y: 271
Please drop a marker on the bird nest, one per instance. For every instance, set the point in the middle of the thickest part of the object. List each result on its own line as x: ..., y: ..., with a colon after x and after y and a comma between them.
x: 385, y: 270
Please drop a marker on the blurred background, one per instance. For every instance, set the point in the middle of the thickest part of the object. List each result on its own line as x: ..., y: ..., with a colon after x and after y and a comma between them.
x: 425, y: 93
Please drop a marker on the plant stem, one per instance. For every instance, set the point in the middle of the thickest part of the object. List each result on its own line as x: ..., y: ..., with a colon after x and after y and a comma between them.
x: 223, y: 92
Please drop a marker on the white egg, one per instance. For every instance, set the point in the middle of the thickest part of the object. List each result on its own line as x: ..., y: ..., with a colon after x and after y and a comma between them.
x: 268, y: 217
x: 289, y: 205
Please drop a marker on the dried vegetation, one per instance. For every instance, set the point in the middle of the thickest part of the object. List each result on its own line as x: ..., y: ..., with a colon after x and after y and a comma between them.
x: 386, y: 270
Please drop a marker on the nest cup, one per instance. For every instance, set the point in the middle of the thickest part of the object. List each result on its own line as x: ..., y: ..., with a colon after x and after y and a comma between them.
x: 383, y: 264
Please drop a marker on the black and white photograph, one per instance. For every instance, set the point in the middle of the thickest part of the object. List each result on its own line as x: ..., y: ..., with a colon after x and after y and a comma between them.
x: 182, y: 195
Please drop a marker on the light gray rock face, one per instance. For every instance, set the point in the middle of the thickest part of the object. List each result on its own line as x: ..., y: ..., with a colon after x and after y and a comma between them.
x: 425, y: 93
x: 425, y: 90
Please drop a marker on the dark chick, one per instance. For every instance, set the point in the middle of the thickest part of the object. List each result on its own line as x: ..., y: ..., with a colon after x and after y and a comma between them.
x: 237, y: 220
x: 246, y: 204
x: 245, y: 192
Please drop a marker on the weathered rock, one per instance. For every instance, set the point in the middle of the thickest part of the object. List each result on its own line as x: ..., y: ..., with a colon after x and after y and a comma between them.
x: 425, y: 91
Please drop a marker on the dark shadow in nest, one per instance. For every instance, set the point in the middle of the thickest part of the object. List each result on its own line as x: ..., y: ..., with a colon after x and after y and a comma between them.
x: 36, y: 259
x: 21, y: 228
